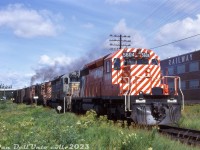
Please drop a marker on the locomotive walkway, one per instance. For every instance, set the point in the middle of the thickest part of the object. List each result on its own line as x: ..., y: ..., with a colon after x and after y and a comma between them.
x: 189, y: 136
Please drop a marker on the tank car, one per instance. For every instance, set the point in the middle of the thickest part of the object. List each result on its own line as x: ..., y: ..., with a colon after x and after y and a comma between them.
x: 128, y: 84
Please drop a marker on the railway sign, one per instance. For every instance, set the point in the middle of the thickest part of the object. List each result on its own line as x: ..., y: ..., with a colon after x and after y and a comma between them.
x: 59, y: 108
x: 35, y: 97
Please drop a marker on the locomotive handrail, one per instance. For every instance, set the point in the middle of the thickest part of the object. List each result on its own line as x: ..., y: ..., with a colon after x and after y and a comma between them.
x: 183, y: 101
x: 127, y: 94
x: 125, y: 108
x: 144, y: 76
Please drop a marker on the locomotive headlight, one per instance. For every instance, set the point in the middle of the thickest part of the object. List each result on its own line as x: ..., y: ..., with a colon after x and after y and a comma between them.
x: 141, y: 95
x: 148, y: 70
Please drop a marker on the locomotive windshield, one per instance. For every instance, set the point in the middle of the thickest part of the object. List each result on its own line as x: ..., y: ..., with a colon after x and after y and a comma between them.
x: 74, y: 79
x: 74, y: 76
x: 142, y: 61
x: 154, y: 62
x: 116, y: 64
x: 132, y: 61
x: 66, y: 80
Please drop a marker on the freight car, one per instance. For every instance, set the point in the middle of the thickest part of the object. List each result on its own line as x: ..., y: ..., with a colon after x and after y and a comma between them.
x: 47, y: 96
x: 19, y: 95
x: 128, y: 84
x: 29, y: 94
x: 51, y: 93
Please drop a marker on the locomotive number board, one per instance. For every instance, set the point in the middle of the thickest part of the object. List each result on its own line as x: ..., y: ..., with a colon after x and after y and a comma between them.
x: 135, y: 55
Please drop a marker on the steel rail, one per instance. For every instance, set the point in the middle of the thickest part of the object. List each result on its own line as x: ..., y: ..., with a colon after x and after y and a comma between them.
x: 184, y: 135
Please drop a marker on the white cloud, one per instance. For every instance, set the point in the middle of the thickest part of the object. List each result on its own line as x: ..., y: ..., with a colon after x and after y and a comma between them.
x: 137, y: 40
x: 116, y: 1
x: 16, y: 79
x: 60, y: 60
x: 169, y: 51
x: 178, y: 30
x: 28, y: 23
x: 44, y: 59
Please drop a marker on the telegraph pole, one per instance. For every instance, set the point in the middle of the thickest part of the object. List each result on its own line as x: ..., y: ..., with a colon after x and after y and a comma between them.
x: 121, y: 41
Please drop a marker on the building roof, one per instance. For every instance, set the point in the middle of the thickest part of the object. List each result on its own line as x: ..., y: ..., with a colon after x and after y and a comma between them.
x: 7, y: 90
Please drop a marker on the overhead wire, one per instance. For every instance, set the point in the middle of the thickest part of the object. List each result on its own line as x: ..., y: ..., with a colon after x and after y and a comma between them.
x: 175, y: 41
x: 157, y: 10
x: 151, y: 14
x: 173, y: 15
x: 154, y: 11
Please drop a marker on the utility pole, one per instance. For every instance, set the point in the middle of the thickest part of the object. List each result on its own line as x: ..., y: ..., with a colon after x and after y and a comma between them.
x: 121, y: 41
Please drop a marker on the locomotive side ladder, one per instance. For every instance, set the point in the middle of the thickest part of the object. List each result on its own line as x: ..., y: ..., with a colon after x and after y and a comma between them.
x: 127, y: 100
x: 125, y: 87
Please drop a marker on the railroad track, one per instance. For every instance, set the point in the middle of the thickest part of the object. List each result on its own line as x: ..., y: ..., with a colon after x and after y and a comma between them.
x: 189, y: 136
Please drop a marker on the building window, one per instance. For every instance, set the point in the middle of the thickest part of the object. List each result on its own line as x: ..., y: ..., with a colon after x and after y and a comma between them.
x: 180, y: 69
x: 194, y: 66
x: 108, y: 66
x: 170, y: 71
x: 183, y: 85
x: 194, y: 84
x: 162, y: 72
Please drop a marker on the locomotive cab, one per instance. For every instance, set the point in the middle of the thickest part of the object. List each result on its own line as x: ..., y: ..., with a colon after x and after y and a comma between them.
x: 74, y: 83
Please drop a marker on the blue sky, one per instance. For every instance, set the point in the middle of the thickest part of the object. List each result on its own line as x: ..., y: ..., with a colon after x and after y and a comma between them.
x: 40, y: 39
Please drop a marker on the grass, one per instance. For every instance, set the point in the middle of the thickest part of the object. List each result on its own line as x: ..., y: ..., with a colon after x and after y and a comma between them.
x: 190, y: 117
x: 42, y: 128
